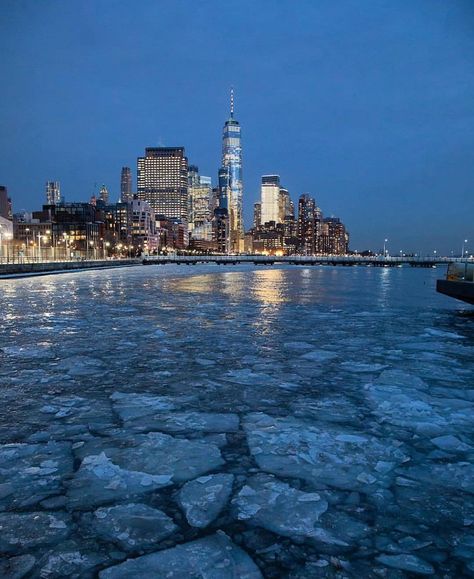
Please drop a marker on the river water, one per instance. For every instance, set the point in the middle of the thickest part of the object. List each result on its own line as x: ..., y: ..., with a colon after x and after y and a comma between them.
x: 238, y: 421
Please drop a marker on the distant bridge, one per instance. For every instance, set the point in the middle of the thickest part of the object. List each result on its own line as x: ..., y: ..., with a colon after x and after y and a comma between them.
x: 346, y: 260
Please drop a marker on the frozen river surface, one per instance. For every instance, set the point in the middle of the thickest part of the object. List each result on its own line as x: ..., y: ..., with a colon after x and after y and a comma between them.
x: 237, y: 422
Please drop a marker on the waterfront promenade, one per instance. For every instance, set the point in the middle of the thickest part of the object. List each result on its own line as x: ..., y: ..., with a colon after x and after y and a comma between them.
x: 348, y: 260
x: 26, y: 268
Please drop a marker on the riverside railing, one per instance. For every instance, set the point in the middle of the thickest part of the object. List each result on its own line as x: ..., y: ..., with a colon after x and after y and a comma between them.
x: 307, y: 259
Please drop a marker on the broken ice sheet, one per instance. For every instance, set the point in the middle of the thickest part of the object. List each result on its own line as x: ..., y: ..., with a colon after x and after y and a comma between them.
x: 213, y: 557
x: 131, y: 526
x: 321, y: 456
x: 20, y: 532
x: 148, y: 462
x: 31, y: 472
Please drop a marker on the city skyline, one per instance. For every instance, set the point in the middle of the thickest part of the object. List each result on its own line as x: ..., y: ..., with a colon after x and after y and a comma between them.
x: 383, y: 142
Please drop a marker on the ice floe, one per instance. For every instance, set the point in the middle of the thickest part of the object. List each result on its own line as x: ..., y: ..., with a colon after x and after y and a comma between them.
x: 203, y: 499
x: 23, y: 531
x: 213, y: 557
x: 322, y: 456
x: 131, y: 526
x: 149, y: 462
x: 30, y: 473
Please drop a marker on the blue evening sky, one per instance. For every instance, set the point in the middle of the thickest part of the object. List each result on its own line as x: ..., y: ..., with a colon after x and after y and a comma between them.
x: 366, y: 104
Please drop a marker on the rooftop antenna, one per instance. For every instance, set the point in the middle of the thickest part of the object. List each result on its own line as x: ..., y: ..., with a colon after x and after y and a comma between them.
x: 232, y: 102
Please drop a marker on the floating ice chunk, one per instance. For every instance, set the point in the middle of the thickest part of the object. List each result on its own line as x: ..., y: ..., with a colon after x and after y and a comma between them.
x: 78, y: 410
x: 31, y: 472
x: 401, y: 400
x: 319, y: 356
x: 203, y: 499
x: 401, y: 379
x: 179, y: 422
x: 205, y: 362
x: 267, y: 502
x: 274, y: 505
x: 410, y: 563
x: 361, y: 367
x: 36, y: 352
x: 82, y: 366
x: 213, y: 557
x: 246, y: 376
x: 451, y: 443
x: 297, y: 345
x: 458, y: 476
x: 134, y: 405
x: 338, y: 409
x: 145, y: 412
x: 99, y: 480
x: 147, y: 462
x: 321, y: 456
x: 159, y: 333
x: 17, y: 567
x: 443, y: 334
x: 70, y: 559
x: 20, y: 532
x: 131, y: 526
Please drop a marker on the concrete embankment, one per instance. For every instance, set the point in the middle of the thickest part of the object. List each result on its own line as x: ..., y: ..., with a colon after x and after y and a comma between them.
x: 15, y: 270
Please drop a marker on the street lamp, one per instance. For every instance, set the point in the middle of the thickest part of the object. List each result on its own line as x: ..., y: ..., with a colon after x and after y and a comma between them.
x: 384, y: 247
x: 27, y: 231
x: 463, y: 243
x: 39, y: 246
x: 66, y: 252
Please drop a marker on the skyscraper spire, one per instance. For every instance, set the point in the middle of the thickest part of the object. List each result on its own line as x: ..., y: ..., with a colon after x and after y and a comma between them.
x: 232, y: 102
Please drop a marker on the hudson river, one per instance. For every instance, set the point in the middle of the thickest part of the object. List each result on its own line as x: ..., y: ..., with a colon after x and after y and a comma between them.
x: 225, y: 422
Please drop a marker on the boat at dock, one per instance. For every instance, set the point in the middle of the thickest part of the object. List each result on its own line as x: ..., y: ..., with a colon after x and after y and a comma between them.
x: 459, y: 282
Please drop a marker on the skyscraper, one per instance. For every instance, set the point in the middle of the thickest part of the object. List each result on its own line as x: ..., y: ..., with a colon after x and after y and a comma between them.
x: 200, y: 199
x: 270, y: 199
x: 53, y: 193
x: 257, y: 215
x: 284, y: 204
x: 334, y: 239
x: 309, y: 225
x: 230, y: 180
x: 162, y: 180
x: 104, y: 194
x: 126, y: 185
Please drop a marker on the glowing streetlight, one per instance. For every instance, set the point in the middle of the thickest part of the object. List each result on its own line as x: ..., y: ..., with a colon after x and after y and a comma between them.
x: 385, y: 247
x: 463, y: 244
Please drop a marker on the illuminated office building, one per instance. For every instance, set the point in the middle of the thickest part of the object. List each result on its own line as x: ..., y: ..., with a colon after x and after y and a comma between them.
x: 53, y: 193
x: 230, y: 181
x: 270, y: 199
x: 162, y: 181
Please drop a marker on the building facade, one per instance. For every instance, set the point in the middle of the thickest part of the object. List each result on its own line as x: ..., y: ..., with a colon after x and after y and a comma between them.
x: 334, y: 239
x: 143, y: 227
x: 162, y: 181
x: 270, y: 199
x: 5, y: 204
x: 309, y: 225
